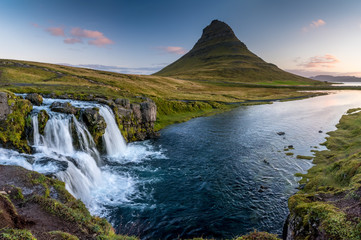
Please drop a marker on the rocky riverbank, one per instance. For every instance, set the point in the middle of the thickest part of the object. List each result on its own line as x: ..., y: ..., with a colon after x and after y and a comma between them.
x: 328, y: 204
x: 135, y: 120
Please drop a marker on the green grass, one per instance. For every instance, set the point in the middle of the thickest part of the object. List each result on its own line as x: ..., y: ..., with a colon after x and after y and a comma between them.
x: 335, y: 179
x: 84, y: 84
x: 16, y: 234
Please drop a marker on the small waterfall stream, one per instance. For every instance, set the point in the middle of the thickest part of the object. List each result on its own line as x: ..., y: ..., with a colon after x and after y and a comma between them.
x: 77, y: 161
x: 114, y: 141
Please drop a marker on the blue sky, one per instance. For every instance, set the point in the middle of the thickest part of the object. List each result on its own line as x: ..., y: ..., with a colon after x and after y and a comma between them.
x: 305, y: 37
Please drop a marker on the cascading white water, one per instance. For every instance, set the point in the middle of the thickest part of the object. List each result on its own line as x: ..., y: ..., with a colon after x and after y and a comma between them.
x: 57, y: 135
x: 114, y: 142
x: 36, y: 134
x: 82, y: 172
x: 80, y: 155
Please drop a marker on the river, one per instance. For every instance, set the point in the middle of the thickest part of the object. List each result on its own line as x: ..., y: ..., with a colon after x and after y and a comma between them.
x: 216, y: 177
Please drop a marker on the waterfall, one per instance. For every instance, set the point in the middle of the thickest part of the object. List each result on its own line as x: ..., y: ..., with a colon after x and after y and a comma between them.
x: 114, y: 142
x: 57, y: 135
x: 36, y: 134
x: 67, y: 149
x: 56, y: 147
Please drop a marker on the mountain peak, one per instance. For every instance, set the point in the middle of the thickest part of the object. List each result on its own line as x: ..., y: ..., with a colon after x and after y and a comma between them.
x: 216, y: 31
x: 220, y: 56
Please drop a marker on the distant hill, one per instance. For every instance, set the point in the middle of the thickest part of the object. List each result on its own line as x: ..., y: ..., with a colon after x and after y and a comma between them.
x: 330, y: 78
x: 220, y: 55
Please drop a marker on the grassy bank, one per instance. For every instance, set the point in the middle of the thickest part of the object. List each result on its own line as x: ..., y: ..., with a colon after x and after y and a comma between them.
x: 328, y: 204
x: 178, y: 100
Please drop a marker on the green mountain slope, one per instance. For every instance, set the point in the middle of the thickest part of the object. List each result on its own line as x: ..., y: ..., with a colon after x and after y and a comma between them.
x: 220, y: 55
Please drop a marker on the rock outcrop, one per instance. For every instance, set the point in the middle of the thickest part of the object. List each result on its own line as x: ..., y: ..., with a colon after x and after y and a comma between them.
x: 95, y: 123
x: 5, y: 108
x: 33, y: 206
x: 136, y: 120
x: 13, y: 116
x: 64, y: 107
x: 43, y: 118
x: 34, y: 98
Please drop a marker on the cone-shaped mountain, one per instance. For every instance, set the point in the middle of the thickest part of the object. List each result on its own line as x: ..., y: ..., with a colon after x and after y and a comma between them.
x: 220, y: 55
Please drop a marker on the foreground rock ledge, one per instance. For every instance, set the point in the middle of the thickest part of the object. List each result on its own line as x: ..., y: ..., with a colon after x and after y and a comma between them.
x: 33, y: 205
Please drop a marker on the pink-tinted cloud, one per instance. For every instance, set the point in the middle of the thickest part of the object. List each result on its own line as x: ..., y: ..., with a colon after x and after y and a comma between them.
x: 314, y: 24
x: 173, y: 50
x: 35, y: 25
x: 100, y: 41
x: 326, y: 61
x: 98, y: 38
x: 72, y: 40
x: 56, y: 31
x: 78, y: 32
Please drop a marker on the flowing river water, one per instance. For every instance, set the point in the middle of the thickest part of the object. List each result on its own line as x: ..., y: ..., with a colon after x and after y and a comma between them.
x: 216, y: 177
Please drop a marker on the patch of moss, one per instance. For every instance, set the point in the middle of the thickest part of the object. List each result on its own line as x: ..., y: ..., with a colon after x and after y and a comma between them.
x: 16, y: 234
x: 43, y: 118
x: 332, y: 186
x: 304, y: 157
x: 12, y: 129
x: 63, y: 235
x: 255, y: 235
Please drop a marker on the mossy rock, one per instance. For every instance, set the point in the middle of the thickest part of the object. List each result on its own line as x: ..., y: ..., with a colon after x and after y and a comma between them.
x: 12, y: 127
x: 43, y: 118
x: 95, y: 123
x: 35, y: 98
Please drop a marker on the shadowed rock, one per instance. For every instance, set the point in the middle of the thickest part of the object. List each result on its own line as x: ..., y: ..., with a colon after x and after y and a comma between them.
x: 64, y: 107
x: 35, y: 98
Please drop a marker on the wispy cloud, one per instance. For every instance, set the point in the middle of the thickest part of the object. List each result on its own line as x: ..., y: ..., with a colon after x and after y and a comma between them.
x: 173, y: 50
x: 314, y: 24
x: 72, y: 40
x: 78, y: 35
x: 326, y: 61
x: 56, y: 31
x: 96, y: 38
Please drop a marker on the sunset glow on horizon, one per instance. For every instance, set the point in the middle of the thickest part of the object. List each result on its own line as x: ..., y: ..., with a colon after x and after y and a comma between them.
x: 304, y: 37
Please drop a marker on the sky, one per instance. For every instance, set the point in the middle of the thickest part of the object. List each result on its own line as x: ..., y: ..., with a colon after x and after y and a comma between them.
x: 308, y: 37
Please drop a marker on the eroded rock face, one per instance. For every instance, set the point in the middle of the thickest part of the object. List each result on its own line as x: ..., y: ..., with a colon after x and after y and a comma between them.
x: 136, y: 120
x: 64, y: 107
x: 149, y: 111
x: 4, y: 106
x: 35, y: 98
x: 123, y: 102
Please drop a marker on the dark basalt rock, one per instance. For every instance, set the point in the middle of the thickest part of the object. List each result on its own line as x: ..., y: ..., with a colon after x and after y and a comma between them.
x: 64, y: 107
x: 35, y: 98
x: 95, y: 123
